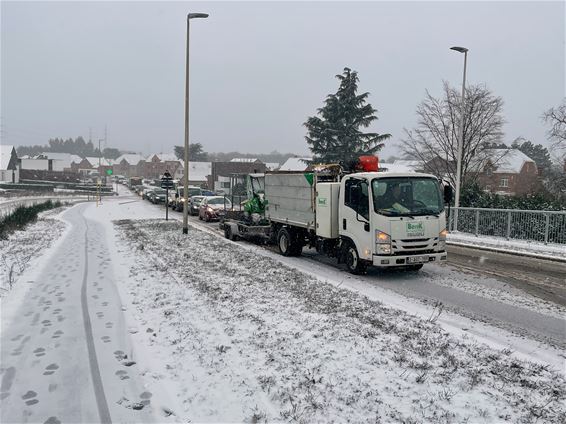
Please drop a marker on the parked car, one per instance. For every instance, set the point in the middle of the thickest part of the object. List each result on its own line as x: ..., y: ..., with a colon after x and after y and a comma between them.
x: 194, y: 204
x: 213, y: 207
x: 157, y: 195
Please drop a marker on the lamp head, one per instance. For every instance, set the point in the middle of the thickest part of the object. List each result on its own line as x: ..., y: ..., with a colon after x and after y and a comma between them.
x: 459, y: 49
x: 197, y: 15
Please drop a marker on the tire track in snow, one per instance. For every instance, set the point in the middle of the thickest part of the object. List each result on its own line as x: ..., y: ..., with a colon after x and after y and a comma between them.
x: 103, y: 411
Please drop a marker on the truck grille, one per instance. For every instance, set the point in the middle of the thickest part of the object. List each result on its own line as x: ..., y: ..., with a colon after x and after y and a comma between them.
x: 413, y: 246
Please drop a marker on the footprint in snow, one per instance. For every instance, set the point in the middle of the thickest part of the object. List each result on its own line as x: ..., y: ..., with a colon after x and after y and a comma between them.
x: 105, y: 339
x: 57, y: 334
x: 39, y: 351
x: 50, y: 369
x: 52, y: 420
x: 29, y: 397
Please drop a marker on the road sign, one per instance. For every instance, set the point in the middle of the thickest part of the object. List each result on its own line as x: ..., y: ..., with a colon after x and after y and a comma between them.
x: 109, y: 172
x: 167, y: 181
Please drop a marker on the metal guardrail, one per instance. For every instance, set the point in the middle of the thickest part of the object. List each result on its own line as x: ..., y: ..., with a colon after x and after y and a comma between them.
x: 7, y: 207
x: 541, y: 226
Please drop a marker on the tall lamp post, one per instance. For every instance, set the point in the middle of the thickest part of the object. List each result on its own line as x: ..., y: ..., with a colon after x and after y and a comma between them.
x: 461, y: 140
x: 186, y: 171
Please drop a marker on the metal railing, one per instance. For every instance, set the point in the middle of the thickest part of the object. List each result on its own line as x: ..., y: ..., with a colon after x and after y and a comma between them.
x: 541, y: 226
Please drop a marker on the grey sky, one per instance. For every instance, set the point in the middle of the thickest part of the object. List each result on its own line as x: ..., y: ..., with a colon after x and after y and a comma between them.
x: 259, y: 69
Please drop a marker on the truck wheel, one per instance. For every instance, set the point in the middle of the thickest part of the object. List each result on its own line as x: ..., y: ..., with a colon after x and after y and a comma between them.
x: 353, y: 262
x: 284, y: 242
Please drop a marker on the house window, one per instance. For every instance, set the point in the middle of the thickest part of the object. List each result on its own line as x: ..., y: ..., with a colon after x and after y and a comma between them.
x: 489, y: 172
x: 225, y: 185
x: 504, y: 182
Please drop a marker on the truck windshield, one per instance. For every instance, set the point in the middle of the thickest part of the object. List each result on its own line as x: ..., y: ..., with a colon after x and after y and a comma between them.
x: 407, y: 196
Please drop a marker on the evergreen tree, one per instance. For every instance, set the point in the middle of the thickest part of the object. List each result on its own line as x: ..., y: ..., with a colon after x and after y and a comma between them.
x: 538, y: 153
x: 336, y: 136
x: 196, y: 153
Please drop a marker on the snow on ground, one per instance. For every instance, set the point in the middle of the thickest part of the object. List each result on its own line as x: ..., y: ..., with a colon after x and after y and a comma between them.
x: 245, y: 337
x: 21, y: 250
x: 552, y: 251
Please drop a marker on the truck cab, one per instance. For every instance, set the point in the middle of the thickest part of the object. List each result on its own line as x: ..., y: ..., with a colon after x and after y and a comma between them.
x: 390, y: 220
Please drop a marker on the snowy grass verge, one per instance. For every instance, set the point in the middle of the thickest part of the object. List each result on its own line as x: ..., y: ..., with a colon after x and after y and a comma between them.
x: 251, y: 339
x: 532, y: 248
x: 19, y: 250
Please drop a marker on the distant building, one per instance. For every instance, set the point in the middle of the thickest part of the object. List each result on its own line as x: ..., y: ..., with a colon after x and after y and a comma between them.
x: 246, y: 160
x: 509, y: 172
x: 219, y: 178
x: 61, y: 161
x: 9, y: 166
x: 295, y: 164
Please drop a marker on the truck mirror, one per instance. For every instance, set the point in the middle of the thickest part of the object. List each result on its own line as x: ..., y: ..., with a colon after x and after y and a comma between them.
x: 448, y: 194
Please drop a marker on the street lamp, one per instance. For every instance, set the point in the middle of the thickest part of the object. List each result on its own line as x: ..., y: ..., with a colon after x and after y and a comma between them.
x: 461, y: 140
x: 186, y: 172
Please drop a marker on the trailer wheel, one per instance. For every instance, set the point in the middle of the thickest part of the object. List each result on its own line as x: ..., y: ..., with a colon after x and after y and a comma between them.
x: 352, y: 259
x: 229, y: 234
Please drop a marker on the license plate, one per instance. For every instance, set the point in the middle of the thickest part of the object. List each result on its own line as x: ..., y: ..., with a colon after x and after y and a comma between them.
x: 417, y: 259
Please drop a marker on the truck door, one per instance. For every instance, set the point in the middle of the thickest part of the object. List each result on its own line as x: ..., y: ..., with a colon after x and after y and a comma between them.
x: 354, y: 215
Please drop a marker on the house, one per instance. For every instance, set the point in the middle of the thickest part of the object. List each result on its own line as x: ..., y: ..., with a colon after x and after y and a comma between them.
x: 272, y: 166
x: 127, y: 164
x: 61, y: 161
x: 198, y: 173
x: 9, y: 166
x: 220, y: 173
x: 295, y: 164
x: 246, y: 160
x: 509, y: 172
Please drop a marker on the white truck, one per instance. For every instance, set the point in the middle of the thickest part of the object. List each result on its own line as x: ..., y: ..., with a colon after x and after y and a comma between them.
x: 367, y: 218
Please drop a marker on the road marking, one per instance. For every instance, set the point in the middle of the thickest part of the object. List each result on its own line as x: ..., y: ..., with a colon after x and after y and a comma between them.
x: 101, y: 402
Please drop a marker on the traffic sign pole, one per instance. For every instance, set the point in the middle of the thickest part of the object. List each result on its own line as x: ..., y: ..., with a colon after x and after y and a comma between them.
x: 166, y: 183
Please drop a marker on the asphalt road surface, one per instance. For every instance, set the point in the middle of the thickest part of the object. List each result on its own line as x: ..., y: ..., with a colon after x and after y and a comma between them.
x: 542, y: 278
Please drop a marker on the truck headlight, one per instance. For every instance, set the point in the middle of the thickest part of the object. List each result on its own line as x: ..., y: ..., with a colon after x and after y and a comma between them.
x: 382, y: 243
x: 442, y: 239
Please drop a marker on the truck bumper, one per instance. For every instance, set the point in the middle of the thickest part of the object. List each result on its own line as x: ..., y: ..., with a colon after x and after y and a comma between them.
x: 400, y: 260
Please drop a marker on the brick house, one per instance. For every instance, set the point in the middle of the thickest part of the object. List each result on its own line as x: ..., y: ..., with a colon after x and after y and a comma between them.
x: 509, y: 172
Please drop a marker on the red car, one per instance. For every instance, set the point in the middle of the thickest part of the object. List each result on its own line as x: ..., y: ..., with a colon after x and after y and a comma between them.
x: 213, y: 207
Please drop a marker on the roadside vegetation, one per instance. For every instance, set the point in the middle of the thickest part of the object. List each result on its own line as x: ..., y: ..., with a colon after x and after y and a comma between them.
x: 23, y: 215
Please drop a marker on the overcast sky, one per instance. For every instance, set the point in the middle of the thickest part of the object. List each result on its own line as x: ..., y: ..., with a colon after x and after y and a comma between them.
x: 258, y: 70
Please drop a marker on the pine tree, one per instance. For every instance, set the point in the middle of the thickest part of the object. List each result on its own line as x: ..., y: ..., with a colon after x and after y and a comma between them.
x: 336, y: 136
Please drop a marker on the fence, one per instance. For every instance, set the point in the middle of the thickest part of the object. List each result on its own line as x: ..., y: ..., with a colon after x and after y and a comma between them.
x: 540, y: 226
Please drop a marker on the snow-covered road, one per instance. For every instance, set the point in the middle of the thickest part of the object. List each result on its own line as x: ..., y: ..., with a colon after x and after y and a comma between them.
x: 66, y: 352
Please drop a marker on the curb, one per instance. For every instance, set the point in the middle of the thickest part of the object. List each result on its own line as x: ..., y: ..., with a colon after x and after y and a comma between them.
x: 508, y: 252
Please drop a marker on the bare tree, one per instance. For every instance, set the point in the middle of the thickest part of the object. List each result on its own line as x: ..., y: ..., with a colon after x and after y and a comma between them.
x: 556, y: 118
x: 434, y: 140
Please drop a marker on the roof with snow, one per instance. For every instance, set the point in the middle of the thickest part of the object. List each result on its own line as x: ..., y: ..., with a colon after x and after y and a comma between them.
x: 247, y: 160
x: 66, y: 158
x: 507, y: 161
x: 409, y: 164
x: 396, y: 167
x: 5, y: 156
x: 295, y: 164
x: 131, y: 158
x: 164, y: 157
x: 103, y: 161
x: 198, y: 171
x: 272, y: 166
